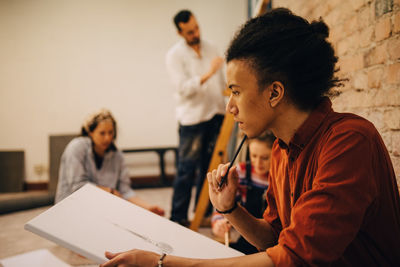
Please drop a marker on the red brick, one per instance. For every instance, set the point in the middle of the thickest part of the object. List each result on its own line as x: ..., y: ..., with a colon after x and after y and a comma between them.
x: 393, y: 74
x: 375, y: 78
x: 334, y: 4
x: 333, y: 17
x: 396, y: 22
x: 376, y: 55
x: 360, y: 80
x: 363, y: 18
x: 336, y: 33
x: 394, y: 48
x: 350, y: 26
x: 343, y: 47
x: 366, y: 36
x: 391, y: 119
x: 350, y: 64
x: 396, y: 143
x: 382, y: 29
x: 321, y: 11
x: 357, y: 4
x: 387, y: 97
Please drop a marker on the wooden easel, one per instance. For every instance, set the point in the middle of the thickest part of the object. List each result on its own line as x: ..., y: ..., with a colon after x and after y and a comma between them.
x: 220, y: 147
x: 216, y: 159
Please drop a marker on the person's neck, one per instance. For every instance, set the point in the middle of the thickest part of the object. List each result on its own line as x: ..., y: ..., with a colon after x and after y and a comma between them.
x: 289, y: 121
x: 196, y: 48
x: 99, y: 152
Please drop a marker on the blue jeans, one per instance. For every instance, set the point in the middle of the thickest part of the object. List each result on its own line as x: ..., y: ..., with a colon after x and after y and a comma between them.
x: 196, y: 145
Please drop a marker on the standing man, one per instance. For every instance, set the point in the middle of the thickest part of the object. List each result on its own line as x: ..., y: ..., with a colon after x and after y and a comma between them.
x: 194, y: 67
x: 332, y: 198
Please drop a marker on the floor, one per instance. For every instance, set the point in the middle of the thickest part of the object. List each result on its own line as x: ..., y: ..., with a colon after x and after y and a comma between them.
x: 15, y: 240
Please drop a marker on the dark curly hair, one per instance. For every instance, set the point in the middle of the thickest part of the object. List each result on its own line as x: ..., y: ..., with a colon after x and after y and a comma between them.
x: 182, y: 16
x: 281, y: 46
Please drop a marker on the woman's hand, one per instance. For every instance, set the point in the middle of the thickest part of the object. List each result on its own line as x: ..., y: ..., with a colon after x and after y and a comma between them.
x: 222, y: 198
x: 220, y: 227
x: 131, y: 258
x: 110, y: 190
x: 157, y: 210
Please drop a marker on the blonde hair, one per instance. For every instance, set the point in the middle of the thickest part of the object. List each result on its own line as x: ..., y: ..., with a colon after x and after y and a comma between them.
x: 95, y: 118
x: 266, y: 137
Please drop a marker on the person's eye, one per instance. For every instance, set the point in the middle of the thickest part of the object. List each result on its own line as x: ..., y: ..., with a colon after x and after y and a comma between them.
x: 234, y: 92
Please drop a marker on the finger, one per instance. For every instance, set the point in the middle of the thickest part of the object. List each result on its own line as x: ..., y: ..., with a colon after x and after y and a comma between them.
x: 210, y: 182
x: 112, y: 262
x: 233, y: 176
x: 110, y: 255
x: 215, y: 178
x: 223, y: 168
x: 219, y: 173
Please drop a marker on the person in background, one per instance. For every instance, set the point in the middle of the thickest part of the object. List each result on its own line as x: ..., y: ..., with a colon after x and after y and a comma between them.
x: 93, y: 157
x: 253, y: 184
x: 194, y: 67
x: 333, y: 198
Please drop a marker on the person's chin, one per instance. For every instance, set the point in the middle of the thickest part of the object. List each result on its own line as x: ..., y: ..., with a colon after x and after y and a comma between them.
x: 105, y: 147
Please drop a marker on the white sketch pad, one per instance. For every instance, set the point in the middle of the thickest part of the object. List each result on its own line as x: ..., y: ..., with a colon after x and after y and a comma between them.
x: 36, y: 258
x: 91, y: 221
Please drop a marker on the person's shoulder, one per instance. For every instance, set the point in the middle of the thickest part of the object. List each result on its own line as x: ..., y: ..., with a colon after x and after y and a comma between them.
x: 117, y: 154
x: 352, y: 123
x: 78, y: 145
x: 176, y: 49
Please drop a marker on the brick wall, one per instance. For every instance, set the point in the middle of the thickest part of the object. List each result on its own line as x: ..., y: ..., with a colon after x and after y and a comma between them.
x: 366, y: 38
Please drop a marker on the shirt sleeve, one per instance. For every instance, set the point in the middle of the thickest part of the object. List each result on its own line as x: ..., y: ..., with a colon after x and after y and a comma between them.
x: 325, y: 219
x: 124, y: 183
x: 185, y: 84
x: 72, y: 174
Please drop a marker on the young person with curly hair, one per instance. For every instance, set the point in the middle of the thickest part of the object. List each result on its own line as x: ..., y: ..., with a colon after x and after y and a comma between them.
x: 333, y: 198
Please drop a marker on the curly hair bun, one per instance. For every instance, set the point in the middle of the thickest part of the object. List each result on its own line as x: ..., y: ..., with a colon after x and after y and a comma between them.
x: 320, y: 28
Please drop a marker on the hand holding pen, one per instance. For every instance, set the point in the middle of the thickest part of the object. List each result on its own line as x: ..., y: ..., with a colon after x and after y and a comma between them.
x: 224, y: 179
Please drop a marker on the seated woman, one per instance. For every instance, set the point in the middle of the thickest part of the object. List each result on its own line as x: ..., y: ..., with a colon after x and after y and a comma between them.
x: 253, y: 184
x: 93, y: 157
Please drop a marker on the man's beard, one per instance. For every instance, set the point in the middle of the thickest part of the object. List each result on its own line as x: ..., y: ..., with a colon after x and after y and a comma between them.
x: 195, y: 41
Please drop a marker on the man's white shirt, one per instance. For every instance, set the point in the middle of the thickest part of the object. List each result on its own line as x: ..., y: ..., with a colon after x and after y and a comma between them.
x: 196, y: 102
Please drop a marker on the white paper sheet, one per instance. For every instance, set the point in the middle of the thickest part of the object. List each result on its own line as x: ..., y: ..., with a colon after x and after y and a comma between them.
x: 36, y: 258
x: 91, y: 221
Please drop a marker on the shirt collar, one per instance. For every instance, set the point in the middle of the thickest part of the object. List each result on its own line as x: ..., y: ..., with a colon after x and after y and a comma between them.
x: 307, y: 130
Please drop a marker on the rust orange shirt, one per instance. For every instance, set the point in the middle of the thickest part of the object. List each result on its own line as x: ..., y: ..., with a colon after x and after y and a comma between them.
x: 333, y: 198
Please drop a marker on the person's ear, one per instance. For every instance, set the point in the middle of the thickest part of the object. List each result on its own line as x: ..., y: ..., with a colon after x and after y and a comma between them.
x: 276, y: 93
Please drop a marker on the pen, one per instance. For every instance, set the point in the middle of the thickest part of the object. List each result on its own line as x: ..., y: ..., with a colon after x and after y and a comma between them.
x: 224, y: 179
x: 227, y: 238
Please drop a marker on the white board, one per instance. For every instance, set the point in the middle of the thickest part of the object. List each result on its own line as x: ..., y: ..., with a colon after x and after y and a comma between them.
x: 36, y: 258
x: 91, y: 221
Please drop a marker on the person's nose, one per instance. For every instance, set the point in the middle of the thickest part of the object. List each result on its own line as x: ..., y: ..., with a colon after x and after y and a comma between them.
x: 230, y: 107
x: 109, y: 137
x: 258, y: 162
x: 197, y: 34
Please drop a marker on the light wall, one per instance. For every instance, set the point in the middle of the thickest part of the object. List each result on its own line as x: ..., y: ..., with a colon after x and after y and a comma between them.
x: 61, y: 60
